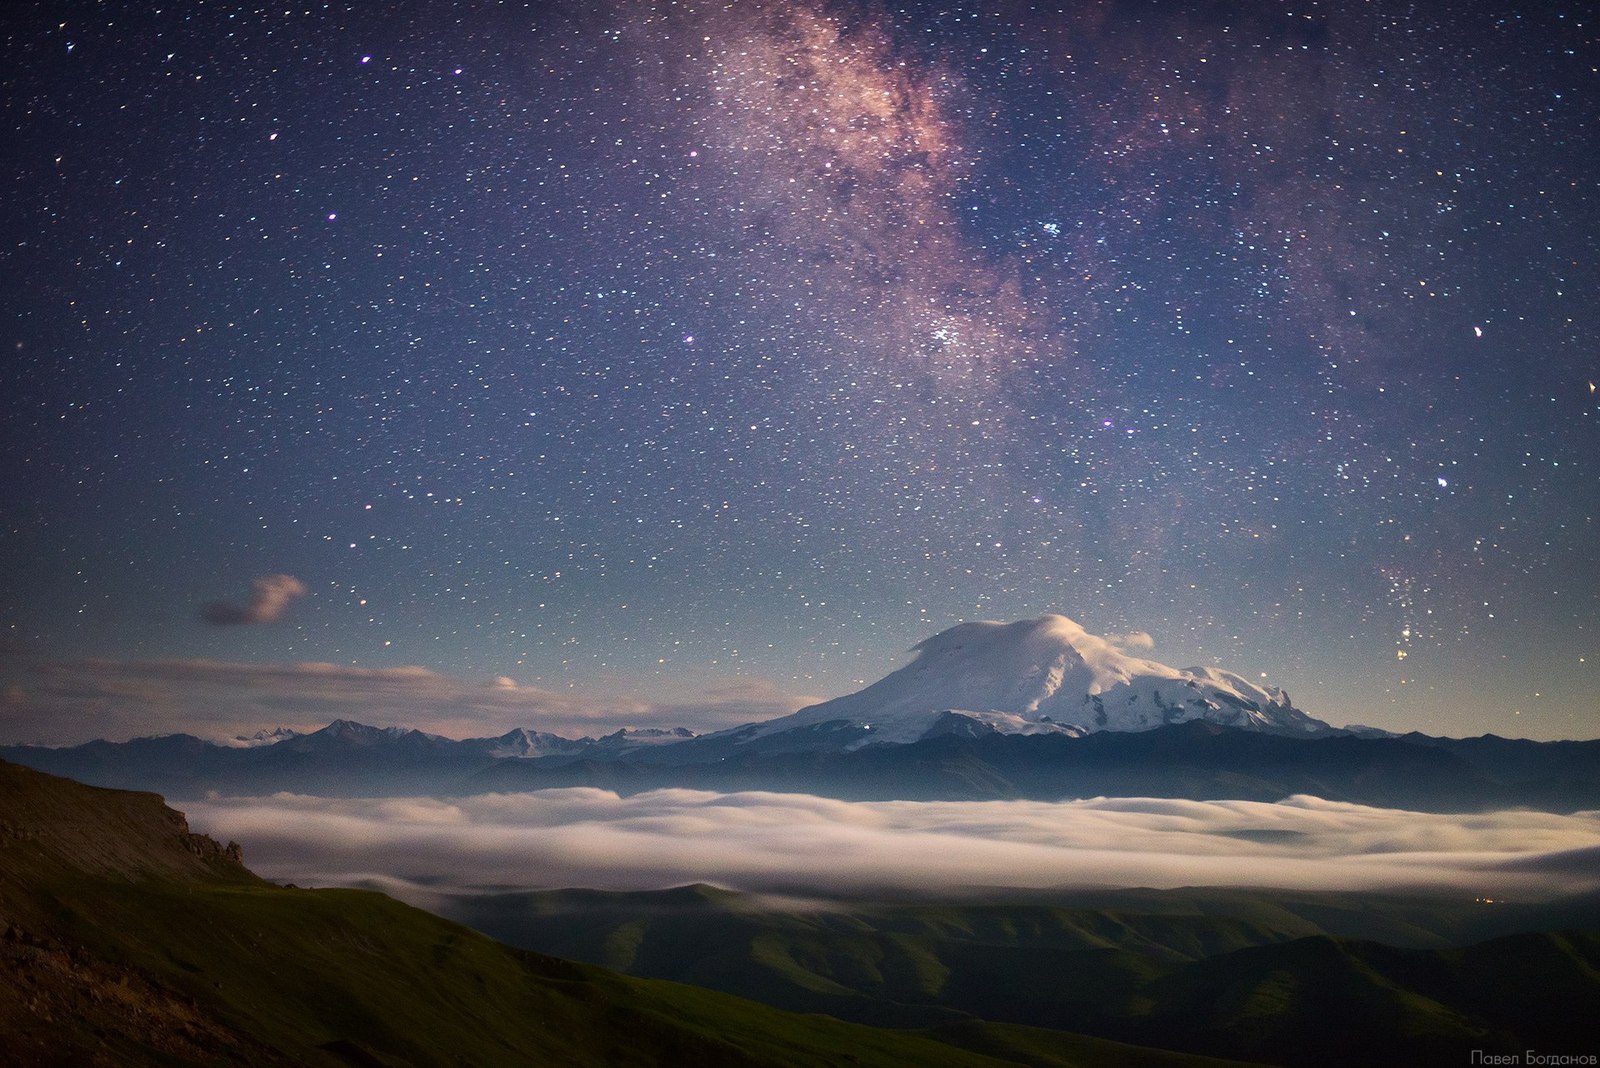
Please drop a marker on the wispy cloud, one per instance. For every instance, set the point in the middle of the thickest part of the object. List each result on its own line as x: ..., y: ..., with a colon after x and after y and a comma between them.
x: 66, y: 702
x: 272, y: 594
x: 1138, y: 640
x: 804, y: 844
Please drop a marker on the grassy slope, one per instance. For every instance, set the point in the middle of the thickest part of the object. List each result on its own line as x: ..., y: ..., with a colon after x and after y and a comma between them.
x: 1218, y: 972
x: 901, y: 964
x: 314, y: 973
x: 1328, y: 1001
x: 301, y: 969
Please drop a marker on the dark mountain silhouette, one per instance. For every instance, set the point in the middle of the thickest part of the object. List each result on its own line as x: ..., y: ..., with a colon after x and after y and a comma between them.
x: 1198, y: 759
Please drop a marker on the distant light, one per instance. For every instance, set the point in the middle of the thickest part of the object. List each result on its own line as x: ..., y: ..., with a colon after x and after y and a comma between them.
x: 1477, y: 331
x: 366, y: 59
x: 1443, y: 483
x: 332, y: 215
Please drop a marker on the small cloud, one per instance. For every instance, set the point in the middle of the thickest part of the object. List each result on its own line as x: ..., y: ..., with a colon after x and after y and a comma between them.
x: 1138, y: 639
x: 272, y: 595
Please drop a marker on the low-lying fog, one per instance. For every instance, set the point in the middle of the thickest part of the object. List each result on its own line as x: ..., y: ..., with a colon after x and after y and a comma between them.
x: 799, y: 843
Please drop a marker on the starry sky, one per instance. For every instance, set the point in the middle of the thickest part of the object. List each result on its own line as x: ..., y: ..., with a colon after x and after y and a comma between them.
x: 493, y: 364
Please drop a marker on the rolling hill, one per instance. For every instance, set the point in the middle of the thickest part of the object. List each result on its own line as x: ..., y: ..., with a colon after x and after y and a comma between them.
x: 1294, y: 979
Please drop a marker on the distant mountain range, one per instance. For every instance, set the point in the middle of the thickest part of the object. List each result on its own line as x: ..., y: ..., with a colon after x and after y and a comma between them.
x: 1038, y: 709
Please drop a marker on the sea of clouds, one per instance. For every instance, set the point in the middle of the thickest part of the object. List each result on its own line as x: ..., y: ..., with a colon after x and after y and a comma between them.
x: 797, y: 843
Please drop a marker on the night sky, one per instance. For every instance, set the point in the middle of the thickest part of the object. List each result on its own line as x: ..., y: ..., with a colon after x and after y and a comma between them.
x: 535, y: 363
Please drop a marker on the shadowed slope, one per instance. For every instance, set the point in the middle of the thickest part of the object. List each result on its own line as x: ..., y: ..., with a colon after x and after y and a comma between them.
x: 1281, y: 978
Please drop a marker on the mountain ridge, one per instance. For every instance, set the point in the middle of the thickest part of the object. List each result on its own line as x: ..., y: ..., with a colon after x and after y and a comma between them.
x: 1291, y: 978
x: 1043, y: 675
x: 1198, y: 759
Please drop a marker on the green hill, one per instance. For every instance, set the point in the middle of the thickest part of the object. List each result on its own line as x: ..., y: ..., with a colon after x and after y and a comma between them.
x: 1290, y: 978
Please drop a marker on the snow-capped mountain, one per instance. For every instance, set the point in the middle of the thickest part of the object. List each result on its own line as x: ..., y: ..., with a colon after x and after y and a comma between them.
x: 346, y: 734
x: 1037, y: 676
x: 262, y: 737
x: 522, y: 743
x: 635, y: 737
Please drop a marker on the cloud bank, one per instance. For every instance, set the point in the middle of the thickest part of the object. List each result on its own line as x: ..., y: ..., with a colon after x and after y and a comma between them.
x: 801, y: 844
x: 67, y: 702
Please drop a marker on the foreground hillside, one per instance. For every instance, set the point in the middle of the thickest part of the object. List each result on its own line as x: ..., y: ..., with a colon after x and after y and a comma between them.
x: 130, y: 941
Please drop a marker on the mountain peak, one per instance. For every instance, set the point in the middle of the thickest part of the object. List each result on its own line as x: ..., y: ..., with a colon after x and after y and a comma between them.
x: 347, y: 733
x: 262, y: 737
x: 642, y: 736
x: 1033, y: 656
x: 1048, y: 674
x: 522, y: 742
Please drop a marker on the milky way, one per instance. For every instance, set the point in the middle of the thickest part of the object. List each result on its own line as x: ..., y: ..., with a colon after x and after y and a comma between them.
x: 632, y: 352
